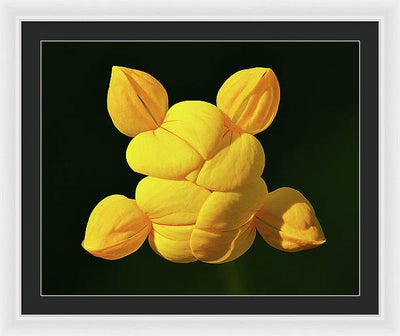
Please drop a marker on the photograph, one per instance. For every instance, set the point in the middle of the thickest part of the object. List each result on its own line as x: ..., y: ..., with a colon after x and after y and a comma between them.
x: 200, y: 168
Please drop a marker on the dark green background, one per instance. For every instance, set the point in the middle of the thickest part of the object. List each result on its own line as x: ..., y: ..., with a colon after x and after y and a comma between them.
x: 312, y: 146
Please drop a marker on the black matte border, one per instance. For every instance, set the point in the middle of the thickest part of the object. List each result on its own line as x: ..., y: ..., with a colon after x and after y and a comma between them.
x: 368, y: 35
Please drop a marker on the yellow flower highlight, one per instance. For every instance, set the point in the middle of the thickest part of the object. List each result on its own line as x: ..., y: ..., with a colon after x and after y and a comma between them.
x: 287, y: 221
x: 204, y: 198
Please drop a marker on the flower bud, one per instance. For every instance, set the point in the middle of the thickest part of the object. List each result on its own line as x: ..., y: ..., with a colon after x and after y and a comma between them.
x: 116, y: 228
x: 250, y: 98
x: 287, y: 221
x: 136, y: 101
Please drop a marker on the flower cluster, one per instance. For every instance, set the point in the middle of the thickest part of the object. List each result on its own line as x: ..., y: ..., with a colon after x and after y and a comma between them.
x: 204, y: 198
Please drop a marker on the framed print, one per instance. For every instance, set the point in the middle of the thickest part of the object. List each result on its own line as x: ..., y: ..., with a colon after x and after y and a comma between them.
x: 205, y: 170
x: 297, y: 111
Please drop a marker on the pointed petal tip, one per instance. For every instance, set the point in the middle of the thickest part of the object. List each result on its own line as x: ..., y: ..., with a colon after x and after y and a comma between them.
x: 115, y: 69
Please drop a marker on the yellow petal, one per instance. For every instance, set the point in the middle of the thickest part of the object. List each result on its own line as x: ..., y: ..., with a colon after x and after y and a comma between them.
x: 136, y: 101
x: 160, y: 153
x: 287, y: 221
x: 170, y: 202
x: 239, y: 161
x: 174, y: 232
x: 224, y: 229
x: 116, y: 228
x: 192, y: 176
x: 230, y: 210
x: 198, y: 123
x: 172, y: 207
x: 171, y: 249
x: 250, y: 99
x: 172, y: 242
x: 190, y: 132
x: 218, y: 247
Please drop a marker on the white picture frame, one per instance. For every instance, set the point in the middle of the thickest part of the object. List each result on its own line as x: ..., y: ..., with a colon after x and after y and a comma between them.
x: 388, y: 14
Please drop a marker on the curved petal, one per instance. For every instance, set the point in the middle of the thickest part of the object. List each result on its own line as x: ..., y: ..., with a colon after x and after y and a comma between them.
x: 171, y: 249
x: 250, y: 98
x: 172, y: 207
x: 287, y: 221
x: 174, y: 232
x: 198, y: 123
x: 218, y: 247
x: 160, y: 153
x: 116, y: 228
x: 190, y: 133
x: 230, y: 210
x: 238, y: 161
x: 136, y: 101
x: 224, y: 229
x: 170, y: 202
